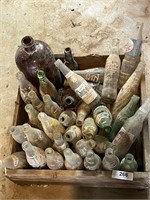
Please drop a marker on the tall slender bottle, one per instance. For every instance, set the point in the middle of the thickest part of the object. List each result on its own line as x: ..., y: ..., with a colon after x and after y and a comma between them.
x: 33, y: 55
x: 123, y: 115
x: 69, y: 59
x: 79, y: 85
x: 72, y: 134
x: 112, y: 69
x: 36, y: 102
x: 17, y: 133
x: 89, y: 128
x: 67, y: 118
x: 131, y: 130
x: 92, y: 161
x: 130, y: 88
x: 131, y: 59
x: 25, y: 87
x: 59, y: 143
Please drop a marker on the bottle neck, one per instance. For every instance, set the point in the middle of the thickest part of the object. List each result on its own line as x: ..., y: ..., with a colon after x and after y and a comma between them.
x: 28, y: 43
x: 68, y: 55
x: 115, y: 46
x: 63, y: 68
x: 69, y: 155
x: 27, y: 147
x: 80, y: 118
x: 47, y: 100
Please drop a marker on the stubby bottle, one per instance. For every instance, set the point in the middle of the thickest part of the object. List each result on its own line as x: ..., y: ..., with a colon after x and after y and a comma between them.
x: 16, y: 160
x: 110, y: 160
x: 131, y: 130
x: 79, y: 85
x: 35, y: 155
x: 92, y: 161
x: 123, y: 115
x: 72, y: 134
x: 25, y: 87
x: 128, y: 163
x: 112, y: 69
x: 33, y: 55
x: 51, y: 108
x: 72, y: 160
x: 69, y: 59
x: 36, y: 102
x: 89, y: 128
x: 103, y: 118
x: 83, y: 111
x: 59, y: 143
x: 131, y: 59
x: 17, y: 133
x: 67, y: 118
x: 54, y: 159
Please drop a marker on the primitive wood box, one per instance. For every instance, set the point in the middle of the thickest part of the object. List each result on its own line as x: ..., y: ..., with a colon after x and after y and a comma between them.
x: 83, y: 177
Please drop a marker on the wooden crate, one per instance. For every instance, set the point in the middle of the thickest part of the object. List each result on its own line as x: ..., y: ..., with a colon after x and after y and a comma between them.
x: 83, y: 177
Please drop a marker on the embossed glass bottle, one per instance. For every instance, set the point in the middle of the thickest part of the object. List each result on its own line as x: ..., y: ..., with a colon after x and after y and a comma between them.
x: 89, y: 128
x: 67, y: 118
x: 128, y: 163
x: 72, y: 134
x: 36, y: 102
x: 92, y: 161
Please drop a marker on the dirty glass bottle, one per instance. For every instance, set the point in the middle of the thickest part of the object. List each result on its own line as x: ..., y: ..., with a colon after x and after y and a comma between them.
x: 35, y: 155
x: 51, y: 108
x: 79, y: 85
x: 131, y: 130
x: 33, y: 55
x: 17, y: 133
x: 131, y: 59
x: 72, y: 160
x: 92, y: 161
x: 25, y: 87
x: 54, y: 159
x: 36, y: 102
x: 110, y: 160
x: 69, y: 60
x: 128, y: 163
x: 16, y: 160
x: 59, y: 143
x: 112, y: 69
x: 89, y: 128
x: 67, y: 118
x: 72, y: 134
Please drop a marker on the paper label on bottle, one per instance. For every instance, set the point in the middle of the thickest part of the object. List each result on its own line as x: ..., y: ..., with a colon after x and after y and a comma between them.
x: 71, y: 76
x: 129, y: 46
x: 85, y: 92
x: 133, y: 47
x: 122, y: 175
x: 114, y: 66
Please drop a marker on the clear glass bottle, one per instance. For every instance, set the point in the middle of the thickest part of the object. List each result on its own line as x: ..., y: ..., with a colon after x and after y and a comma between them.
x: 16, y: 160
x: 72, y: 160
x: 112, y: 69
x: 36, y: 102
x: 110, y: 160
x: 131, y: 59
x: 54, y: 159
x: 128, y: 163
x: 67, y: 118
x: 92, y: 161
x: 25, y: 87
x: 131, y: 130
x: 33, y: 116
x: 89, y: 128
x: 36, y: 137
x: 130, y: 88
x: 103, y: 118
x: 72, y: 134
x: 59, y: 143
x: 79, y: 85
x: 51, y: 108
x: 69, y: 60
x: 35, y: 155
x: 46, y: 87
x: 17, y: 133
x: 123, y: 115
x: 83, y: 110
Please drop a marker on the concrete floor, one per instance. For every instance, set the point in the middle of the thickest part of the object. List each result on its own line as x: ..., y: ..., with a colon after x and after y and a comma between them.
x: 87, y: 26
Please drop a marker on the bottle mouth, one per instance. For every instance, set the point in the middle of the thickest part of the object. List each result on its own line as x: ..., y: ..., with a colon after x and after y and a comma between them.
x: 107, y: 129
x: 69, y: 101
x: 67, y: 49
x: 27, y: 41
x: 25, y: 145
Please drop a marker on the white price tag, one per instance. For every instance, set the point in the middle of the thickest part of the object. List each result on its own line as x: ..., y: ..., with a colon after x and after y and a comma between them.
x: 128, y: 176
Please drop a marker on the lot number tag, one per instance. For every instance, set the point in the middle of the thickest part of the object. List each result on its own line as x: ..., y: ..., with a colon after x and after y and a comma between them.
x: 128, y: 176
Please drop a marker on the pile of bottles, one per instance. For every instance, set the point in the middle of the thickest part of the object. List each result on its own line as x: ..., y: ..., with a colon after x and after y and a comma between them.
x: 78, y: 119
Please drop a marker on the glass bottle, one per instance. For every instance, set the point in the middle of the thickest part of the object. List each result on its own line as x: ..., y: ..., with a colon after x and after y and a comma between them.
x: 130, y: 88
x: 33, y: 116
x: 46, y: 87
x: 33, y: 55
x: 51, y: 108
x: 72, y: 134
x: 131, y: 130
x: 123, y: 115
x: 36, y: 137
x: 103, y: 118
x: 35, y: 155
x: 17, y: 133
x: 112, y: 69
x: 69, y: 60
x: 67, y: 118
x: 16, y: 160
x: 83, y: 110
x: 54, y: 159
x: 50, y: 125
x: 131, y: 59
x: 92, y: 161
x: 128, y: 163
x: 59, y: 143
x: 25, y: 87
x: 110, y: 160
x: 83, y: 146
x: 72, y: 160
x: 79, y: 85
x: 36, y: 102
x: 89, y: 128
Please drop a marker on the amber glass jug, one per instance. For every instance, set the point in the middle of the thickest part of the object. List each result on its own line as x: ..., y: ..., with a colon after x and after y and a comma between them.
x: 33, y: 55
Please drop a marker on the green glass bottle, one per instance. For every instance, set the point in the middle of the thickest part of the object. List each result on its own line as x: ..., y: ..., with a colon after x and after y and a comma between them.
x: 128, y: 163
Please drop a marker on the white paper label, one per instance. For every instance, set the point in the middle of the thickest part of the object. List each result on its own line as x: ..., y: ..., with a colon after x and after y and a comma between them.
x: 122, y: 175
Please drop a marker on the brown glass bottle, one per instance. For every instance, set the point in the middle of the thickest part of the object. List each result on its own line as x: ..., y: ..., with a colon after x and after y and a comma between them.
x: 33, y: 55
